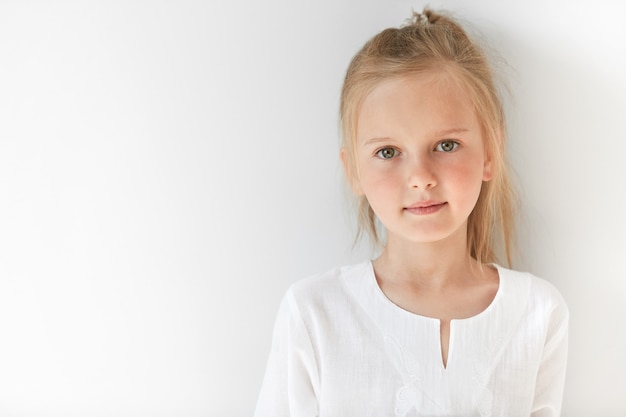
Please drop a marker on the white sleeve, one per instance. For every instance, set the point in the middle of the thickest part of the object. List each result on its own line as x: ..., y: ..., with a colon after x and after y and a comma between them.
x: 291, y: 379
x: 551, y: 375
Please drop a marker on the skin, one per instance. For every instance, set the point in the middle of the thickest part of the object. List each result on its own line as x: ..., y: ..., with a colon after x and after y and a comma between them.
x: 420, y: 160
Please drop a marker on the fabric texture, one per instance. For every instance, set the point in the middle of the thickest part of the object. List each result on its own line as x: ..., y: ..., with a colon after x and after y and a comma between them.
x: 341, y: 348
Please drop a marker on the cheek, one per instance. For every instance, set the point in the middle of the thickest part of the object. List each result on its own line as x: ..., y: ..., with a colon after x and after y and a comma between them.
x: 469, y: 166
x: 379, y: 180
x: 468, y: 174
x: 465, y: 177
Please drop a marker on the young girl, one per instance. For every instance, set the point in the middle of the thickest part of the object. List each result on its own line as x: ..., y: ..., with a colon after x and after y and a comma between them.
x: 432, y: 327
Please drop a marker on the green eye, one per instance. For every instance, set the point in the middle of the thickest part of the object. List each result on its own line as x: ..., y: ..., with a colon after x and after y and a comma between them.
x: 447, y: 146
x: 386, y: 153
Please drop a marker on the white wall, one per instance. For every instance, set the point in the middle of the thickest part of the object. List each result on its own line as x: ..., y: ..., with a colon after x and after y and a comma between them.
x: 168, y: 168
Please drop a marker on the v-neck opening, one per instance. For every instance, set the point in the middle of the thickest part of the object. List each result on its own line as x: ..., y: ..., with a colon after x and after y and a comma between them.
x: 445, y: 359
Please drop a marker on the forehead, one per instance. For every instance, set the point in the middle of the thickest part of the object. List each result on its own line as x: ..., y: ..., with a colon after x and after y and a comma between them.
x: 416, y: 104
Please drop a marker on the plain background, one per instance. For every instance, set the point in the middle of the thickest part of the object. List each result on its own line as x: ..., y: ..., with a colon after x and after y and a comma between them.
x: 168, y: 168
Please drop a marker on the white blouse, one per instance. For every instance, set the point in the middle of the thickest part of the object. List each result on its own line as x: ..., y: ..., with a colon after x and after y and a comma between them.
x: 341, y: 348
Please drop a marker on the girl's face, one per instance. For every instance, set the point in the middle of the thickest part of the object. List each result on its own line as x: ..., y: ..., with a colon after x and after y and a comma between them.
x: 420, y: 158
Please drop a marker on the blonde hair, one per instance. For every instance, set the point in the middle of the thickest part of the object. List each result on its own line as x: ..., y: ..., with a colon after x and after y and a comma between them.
x: 432, y: 41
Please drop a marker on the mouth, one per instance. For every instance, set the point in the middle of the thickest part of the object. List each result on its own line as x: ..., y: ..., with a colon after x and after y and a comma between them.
x: 425, y: 207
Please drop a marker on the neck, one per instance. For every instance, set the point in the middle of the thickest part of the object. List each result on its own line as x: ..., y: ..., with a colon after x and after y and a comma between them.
x: 429, y: 265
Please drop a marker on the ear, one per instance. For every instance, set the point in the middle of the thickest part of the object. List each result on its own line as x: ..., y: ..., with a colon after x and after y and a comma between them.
x: 348, y: 168
x: 495, y: 148
x: 487, y: 168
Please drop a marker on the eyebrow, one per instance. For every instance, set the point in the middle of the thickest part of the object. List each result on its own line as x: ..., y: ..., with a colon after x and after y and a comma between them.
x: 374, y: 141
x: 439, y: 133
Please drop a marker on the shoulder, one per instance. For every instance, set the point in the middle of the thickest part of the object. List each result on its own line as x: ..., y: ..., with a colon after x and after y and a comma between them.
x: 543, y: 299
x: 539, y: 289
x: 327, y: 285
x: 322, y: 297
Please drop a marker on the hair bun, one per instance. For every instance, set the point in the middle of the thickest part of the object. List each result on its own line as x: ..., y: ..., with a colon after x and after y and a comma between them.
x: 425, y: 18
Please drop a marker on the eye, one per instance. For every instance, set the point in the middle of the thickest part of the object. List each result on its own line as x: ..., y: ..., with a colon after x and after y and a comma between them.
x: 447, y: 146
x: 386, y: 153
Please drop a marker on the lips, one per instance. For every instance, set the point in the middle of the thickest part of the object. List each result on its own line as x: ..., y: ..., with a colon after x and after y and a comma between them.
x: 425, y: 207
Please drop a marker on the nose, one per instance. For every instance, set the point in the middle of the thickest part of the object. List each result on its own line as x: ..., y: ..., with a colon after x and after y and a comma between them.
x: 421, y: 173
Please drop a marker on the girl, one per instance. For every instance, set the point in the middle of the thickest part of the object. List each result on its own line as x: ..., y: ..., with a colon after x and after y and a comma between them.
x: 432, y: 327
